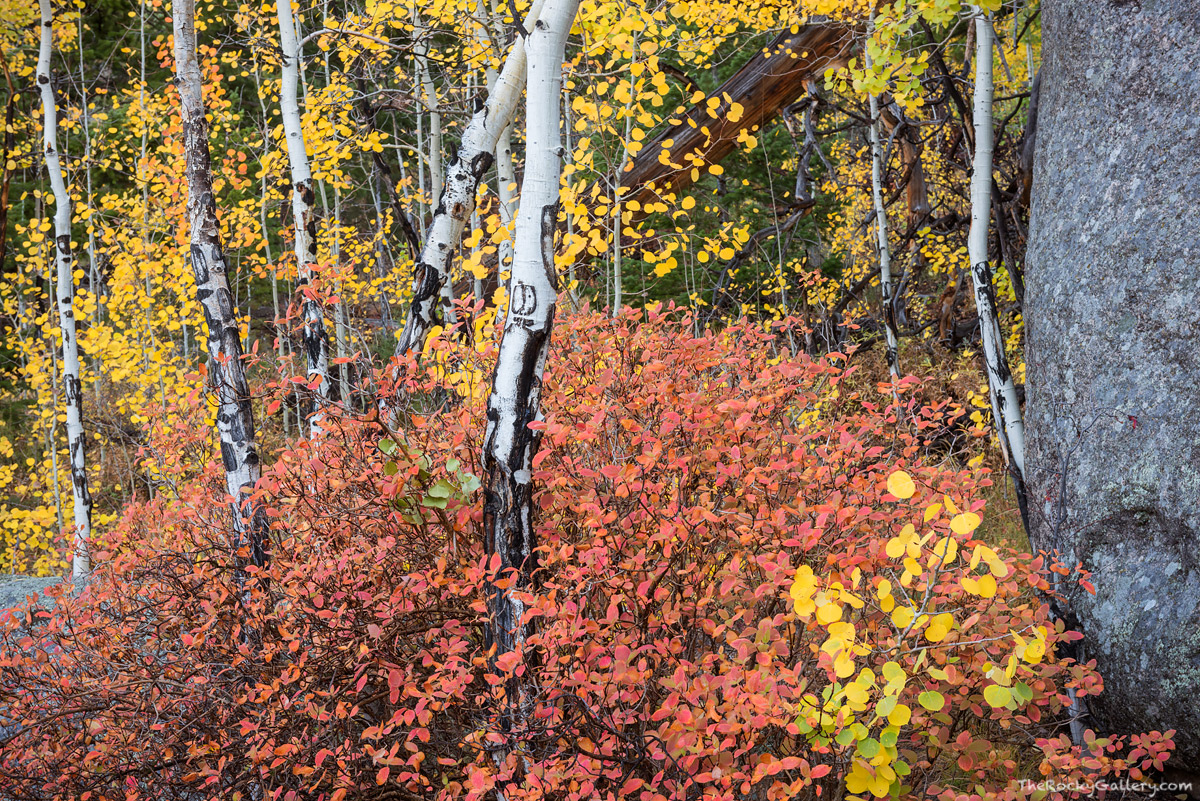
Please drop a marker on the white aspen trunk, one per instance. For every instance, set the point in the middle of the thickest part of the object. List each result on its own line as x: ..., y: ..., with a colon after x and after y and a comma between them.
x: 881, y: 230
x: 1005, y: 407
x: 226, y: 371
x: 515, y: 401
x: 463, y: 174
x: 72, y: 388
x: 316, y: 340
x: 506, y: 173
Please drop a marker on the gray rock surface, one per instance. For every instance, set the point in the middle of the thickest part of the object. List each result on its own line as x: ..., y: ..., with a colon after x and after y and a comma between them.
x: 1113, y: 347
x: 14, y: 590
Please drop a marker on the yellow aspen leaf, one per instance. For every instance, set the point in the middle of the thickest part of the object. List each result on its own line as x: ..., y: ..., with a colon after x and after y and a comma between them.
x: 902, y: 616
x: 932, y: 511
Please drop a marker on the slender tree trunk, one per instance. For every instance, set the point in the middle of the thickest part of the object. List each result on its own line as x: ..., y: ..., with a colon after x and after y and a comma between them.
x: 316, y: 340
x: 226, y: 371
x: 72, y: 387
x: 431, y: 105
x: 881, y: 230
x: 10, y: 105
x: 1006, y: 409
x: 515, y: 402
x: 463, y: 174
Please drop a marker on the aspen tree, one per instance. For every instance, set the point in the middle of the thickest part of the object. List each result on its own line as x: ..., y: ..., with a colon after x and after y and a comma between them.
x: 1002, y: 391
x: 316, y: 340
x: 226, y: 370
x: 515, y: 402
x: 72, y: 387
x: 881, y: 230
x: 472, y: 161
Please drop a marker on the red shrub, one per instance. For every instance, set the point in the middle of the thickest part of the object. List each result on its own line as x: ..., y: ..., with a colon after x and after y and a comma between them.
x: 678, y: 651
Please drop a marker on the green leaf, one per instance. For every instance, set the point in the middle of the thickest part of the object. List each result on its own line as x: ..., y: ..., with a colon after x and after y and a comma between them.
x: 844, y: 737
x: 1023, y: 692
x: 868, y: 748
x: 433, y: 503
x: 387, y: 446
x: 390, y: 468
x: 452, y: 465
x: 931, y: 700
x: 889, y: 737
x: 442, y: 489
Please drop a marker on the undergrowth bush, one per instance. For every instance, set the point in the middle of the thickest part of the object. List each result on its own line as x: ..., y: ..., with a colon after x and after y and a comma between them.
x: 752, y: 583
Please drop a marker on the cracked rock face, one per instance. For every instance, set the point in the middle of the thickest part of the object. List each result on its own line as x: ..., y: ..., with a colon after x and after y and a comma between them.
x: 1113, y: 348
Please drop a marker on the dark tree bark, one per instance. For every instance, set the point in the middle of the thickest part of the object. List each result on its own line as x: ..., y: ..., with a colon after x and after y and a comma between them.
x: 1113, y: 309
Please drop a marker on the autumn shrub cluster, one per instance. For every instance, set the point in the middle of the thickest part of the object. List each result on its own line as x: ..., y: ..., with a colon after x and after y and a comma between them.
x: 752, y: 583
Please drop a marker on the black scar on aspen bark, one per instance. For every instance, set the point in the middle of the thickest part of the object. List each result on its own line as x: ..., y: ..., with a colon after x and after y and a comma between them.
x: 199, y: 265
x: 228, y: 458
x: 549, y: 218
x: 983, y: 278
x: 64, y: 244
x: 481, y: 163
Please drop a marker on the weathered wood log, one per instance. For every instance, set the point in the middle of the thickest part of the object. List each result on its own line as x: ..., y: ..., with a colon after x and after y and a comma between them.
x: 770, y: 81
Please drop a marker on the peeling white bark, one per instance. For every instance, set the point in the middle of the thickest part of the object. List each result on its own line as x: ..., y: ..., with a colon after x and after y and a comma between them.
x: 515, y: 401
x: 226, y: 371
x: 881, y: 231
x: 1006, y: 409
x: 72, y: 388
x: 463, y: 174
x: 316, y: 340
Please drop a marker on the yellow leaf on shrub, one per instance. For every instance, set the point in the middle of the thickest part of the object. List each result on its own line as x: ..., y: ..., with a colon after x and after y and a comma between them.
x: 933, y: 701
x: 900, y: 715
x: 829, y: 613
x: 932, y: 511
x: 997, y: 696
x: 965, y: 523
x: 901, y: 485
x: 902, y: 616
x: 984, y: 586
x: 944, y: 553
x: 940, y: 627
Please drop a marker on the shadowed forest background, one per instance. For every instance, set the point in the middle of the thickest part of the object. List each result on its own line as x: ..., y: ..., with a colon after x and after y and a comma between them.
x: 587, y: 399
